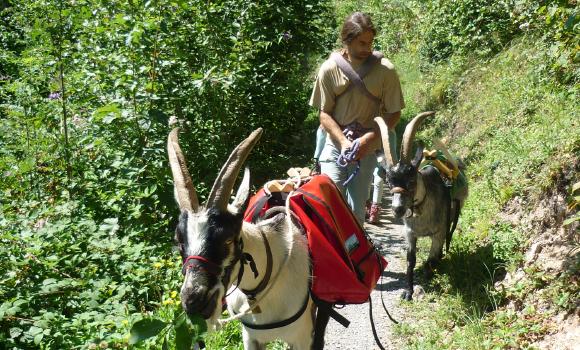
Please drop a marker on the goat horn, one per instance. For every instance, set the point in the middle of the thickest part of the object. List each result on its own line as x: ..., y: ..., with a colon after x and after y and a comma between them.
x: 243, y: 190
x: 389, y: 155
x: 224, y: 183
x: 409, y: 136
x: 183, y: 186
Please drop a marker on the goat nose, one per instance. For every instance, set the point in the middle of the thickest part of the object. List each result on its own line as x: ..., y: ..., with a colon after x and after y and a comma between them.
x: 203, y: 304
x: 190, y: 301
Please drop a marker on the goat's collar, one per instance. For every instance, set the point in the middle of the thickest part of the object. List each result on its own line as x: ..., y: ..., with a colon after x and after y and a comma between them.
x: 282, y: 323
x: 247, y: 258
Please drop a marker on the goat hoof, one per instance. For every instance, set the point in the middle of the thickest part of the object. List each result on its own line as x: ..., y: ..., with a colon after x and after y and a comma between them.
x: 408, y: 296
x: 429, y: 269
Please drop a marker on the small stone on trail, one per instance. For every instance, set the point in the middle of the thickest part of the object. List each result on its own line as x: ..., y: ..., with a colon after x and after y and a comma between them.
x: 418, y: 292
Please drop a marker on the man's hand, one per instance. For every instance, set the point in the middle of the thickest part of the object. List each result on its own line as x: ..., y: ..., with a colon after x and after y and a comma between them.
x: 367, y: 144
x: 345, y: 145
x: 334, y: 131
x: 392, y: 119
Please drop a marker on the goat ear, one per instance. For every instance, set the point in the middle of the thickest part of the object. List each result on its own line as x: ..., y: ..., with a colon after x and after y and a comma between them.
x: 418, y: 155
x: 243, y: 192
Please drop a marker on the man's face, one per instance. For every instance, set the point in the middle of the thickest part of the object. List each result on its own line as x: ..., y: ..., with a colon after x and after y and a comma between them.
x: 362, y: 46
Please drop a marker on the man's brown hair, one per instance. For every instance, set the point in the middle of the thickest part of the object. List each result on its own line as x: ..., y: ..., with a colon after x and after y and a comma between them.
x: 354, y: 25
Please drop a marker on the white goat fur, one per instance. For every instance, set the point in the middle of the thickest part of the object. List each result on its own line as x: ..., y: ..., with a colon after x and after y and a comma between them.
x: 280, y: 301
x: 288, y: 293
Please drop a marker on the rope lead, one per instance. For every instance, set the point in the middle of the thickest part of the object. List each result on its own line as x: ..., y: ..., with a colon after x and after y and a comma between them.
x: 348, y: 156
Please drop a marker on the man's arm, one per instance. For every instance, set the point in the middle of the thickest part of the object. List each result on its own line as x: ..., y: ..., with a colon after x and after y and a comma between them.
x: 371, y: 140
x: 333, y: 130
x: 392, y: 119
x: 368, y: 142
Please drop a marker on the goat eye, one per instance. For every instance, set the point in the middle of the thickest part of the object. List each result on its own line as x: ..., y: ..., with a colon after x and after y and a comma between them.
x: 229, y: 241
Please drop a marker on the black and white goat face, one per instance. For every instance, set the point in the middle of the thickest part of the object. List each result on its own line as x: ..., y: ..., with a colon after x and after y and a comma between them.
x: 402, y: 179
x: 208, y: 243
x: 402, y: 174
x: 209, y: 237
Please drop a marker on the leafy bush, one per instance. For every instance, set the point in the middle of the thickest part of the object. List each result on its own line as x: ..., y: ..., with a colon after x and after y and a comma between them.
x: 479, y: 28
x: 466, y: 27
x: 561, y: 23
x: 68, y: 280
x: 86, y: 92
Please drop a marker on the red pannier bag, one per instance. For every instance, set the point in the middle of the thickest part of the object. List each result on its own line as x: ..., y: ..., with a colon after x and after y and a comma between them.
x: 345, y: 264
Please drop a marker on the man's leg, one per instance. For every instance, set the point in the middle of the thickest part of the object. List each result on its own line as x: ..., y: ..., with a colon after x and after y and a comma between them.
x: 377, y: 196
x: 358, y: 188
x: 328, y: 166
x: 377, y: 187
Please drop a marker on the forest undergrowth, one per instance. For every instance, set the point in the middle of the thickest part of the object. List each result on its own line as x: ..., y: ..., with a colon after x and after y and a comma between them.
x: 86, y: 203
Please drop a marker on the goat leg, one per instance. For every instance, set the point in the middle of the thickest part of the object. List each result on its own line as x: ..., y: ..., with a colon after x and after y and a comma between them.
x: 251, y: 344
x: 411, y: 261
x: 435, y: 254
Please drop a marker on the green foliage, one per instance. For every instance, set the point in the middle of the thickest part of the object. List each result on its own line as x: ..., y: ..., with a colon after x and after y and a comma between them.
x: 458, y: 30
x: 507, y: 244
x: 561, y: 22
x: 183, y: 331
x: 508, y: 328
x: 145, y: 329
x: 466, y: 27
x: 77, y: 280
x: 230, y: 337
x: 86, y: 198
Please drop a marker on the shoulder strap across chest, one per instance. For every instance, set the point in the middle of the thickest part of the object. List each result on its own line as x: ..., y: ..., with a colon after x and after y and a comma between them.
x: 355, y: 77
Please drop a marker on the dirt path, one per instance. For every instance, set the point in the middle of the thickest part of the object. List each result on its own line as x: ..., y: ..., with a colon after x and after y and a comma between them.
x: 388, y: 236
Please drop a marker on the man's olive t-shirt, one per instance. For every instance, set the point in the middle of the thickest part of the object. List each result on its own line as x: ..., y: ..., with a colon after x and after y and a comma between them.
x: 382, y: 81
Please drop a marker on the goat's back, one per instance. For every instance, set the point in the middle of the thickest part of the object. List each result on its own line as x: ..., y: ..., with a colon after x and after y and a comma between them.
x: 434, y: 183
x: 432, y: 179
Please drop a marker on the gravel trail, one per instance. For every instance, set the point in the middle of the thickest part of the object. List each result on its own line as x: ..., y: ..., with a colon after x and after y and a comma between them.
x: 387, y: 235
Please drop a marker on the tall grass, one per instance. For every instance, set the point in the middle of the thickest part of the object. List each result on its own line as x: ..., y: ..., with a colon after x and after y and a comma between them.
x: 515, y: 130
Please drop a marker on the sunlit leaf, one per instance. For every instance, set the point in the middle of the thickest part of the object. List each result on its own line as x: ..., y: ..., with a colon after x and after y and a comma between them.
x: 145, y: 329
x: 107, y: 113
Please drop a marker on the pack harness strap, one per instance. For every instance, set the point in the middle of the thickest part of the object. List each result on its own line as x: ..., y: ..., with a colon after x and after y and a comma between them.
x: 325, y: 306
x: 282, y: 323
x: 264, y: 282
x: 356, y: 78
x: 265, y: 291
